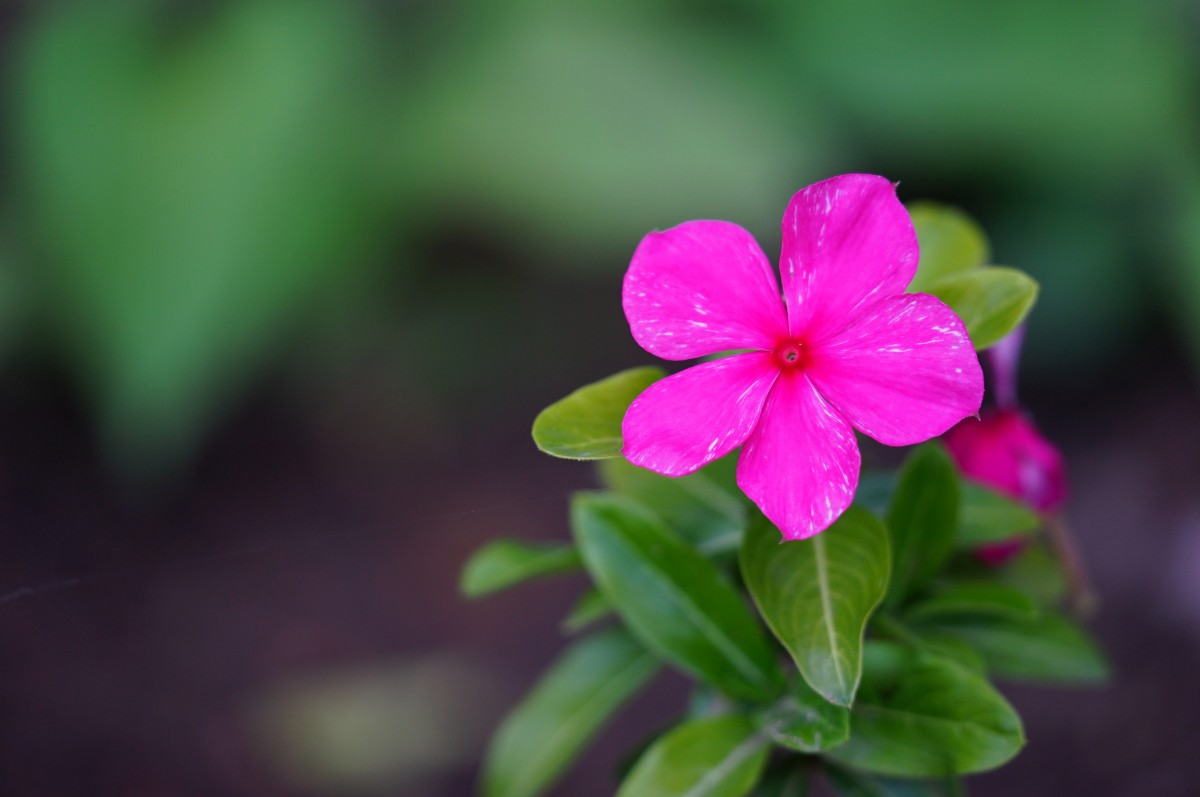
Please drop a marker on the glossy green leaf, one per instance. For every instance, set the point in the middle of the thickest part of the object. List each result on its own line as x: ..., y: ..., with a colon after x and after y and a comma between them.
x: 950, y: 241
x: 571, y: 703
x: 991, y: 301
x: 985, y: 516
x: 711, y: 757
x: 975, y: 599
x: 929, y: 717
x: 693, y: 506
x: 1047, y: 649
x: 591, y: 607
x: 922, y: 517
x: 804, y: 721
x: 587, y: 423
x: 676, y: 601
x: 505, y: 563
x: 817, y: 594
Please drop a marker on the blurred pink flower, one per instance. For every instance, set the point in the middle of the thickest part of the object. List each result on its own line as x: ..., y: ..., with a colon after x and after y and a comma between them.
x: 846, y: 349
x: 1004, y: 450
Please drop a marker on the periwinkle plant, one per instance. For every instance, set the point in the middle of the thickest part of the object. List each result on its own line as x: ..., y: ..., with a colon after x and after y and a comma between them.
x: 860, y: 650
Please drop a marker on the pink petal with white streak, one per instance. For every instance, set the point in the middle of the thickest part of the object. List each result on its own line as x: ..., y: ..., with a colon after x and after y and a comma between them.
x: 701, y: 288
x: 902, y: 373
x: 847, y: 243
x: 801, y: 463
x: 683, y: 422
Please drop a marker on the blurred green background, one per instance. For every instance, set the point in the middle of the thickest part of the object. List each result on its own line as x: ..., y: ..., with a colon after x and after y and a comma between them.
x: 279, y: 271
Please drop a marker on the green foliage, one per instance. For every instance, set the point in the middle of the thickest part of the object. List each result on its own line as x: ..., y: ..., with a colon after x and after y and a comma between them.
x: 991, y: 301
x: 676, y: 601
x: 573, y: 700
x: 712, y: 757
x: 587, y: 423
x: 929, y: 717
x: 893, y: 625
x: 922, y: 517
x: 505, y: 563
x: 817, y: 594
x: 950, y: 241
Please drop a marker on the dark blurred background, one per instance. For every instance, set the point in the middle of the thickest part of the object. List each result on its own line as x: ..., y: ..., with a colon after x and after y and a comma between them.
x: 283, y: 284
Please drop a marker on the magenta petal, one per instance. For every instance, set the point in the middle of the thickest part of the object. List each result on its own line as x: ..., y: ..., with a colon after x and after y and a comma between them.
x: 801, y: 464
x: 847, y: 242
x: 683, y: 422
x: 701, y: 288
x: 902, y: 373
x: 1005, y: 451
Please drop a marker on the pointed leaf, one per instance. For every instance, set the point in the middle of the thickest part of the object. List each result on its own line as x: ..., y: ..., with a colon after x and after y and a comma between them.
x: 985, y: 516
x: 929, y: 718
x: 950, y: 242
x: 505, y: 563
x: 676, y: 601
x: 804, y: 721
x: 817, y: 594
x: 1044, y: 649
x: 574, y: 699
x: 711, y: 757
x: 587, y: 423
x: 973, y: 599
x: 922, y: 517
x: 693, y: 506
x: 991, y: 301
x: 590, y: 607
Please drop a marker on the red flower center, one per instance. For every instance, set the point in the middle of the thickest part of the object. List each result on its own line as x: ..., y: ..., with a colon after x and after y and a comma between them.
x: 790, y: 354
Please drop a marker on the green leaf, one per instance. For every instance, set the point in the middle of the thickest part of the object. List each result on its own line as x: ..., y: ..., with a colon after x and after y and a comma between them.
x: 985, y: 516
x: 590, y: 607
x: 950, y: 240
x: 978, y: 599
x: 571, y: 703
x: 693, y: 506
x: 676, y: 601
x: 505, y: 563
x: 804, y: 721
x: 875, y: 490
x: 929, y: 717
x: 587, y: 423
x: 991, y: 301
x: 790, y: 777
x: 711, y: 757
x: 1047, y: 649
x: 1036, y: 572
x: 922, y: 518
x: 817, y: 594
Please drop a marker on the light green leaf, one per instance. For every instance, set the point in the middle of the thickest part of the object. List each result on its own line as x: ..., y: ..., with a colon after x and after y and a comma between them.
x: 1045, y: 649
x: 711, y: 757
x: 804, y: 721
x: 985, y: 516
x: 505, y: 563
x: 922, y: 518
x: 587, y: 423
x: 973, y: 599
x: 950, y: 240
x: 590, y: 607
x: 676, y: 601
x: 693, y: 506
x: 991, y: 301
x: 817, y: 594
x: 571, y: 703
x: 929, y: 718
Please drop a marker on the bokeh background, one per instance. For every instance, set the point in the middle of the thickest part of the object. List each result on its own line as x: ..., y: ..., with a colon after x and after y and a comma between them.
x: 283, y: 284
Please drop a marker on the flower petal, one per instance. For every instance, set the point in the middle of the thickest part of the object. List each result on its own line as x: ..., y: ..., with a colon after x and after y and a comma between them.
x: 903, y: 373
x: 683, y: 422
x: 1004, y: 450
x: 701, y: 288
x: 847, y: 243
x: 801, y: 464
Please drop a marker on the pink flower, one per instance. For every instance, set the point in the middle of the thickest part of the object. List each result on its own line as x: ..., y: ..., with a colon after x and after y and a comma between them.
x: 1004, y: 450
x: 845, y: 349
